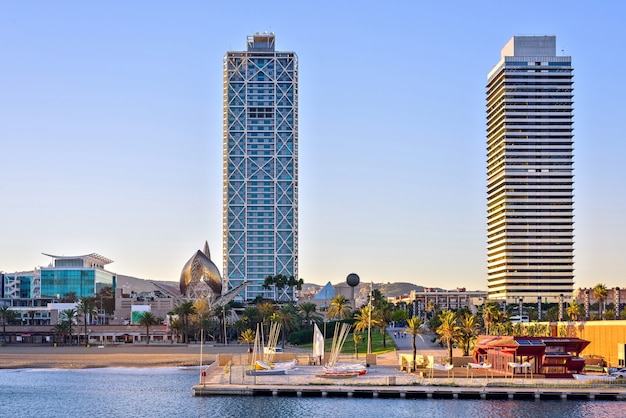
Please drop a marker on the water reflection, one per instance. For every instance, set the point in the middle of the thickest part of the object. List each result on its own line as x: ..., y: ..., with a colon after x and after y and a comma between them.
x: 167, y: 393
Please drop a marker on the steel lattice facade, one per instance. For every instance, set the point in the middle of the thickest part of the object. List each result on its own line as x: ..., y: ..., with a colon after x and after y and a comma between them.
x: 530, y: 173
x: 260, y: 223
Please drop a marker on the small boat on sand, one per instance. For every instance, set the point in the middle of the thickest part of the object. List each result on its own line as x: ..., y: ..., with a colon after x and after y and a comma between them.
x: 346, y: 368
x: 594, y: 377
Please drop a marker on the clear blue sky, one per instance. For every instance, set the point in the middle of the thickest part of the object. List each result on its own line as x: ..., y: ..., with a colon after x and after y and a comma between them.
x: 111, y: 132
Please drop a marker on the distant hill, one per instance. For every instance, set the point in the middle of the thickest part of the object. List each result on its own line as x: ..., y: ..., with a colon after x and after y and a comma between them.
x: 134, y: 284
x: 389, y: 289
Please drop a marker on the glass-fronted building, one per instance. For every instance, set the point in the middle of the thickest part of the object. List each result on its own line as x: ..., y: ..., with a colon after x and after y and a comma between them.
x: 21, y: 285
x: 530, y: 179
x: 260, y: 223
x: 82, y: 275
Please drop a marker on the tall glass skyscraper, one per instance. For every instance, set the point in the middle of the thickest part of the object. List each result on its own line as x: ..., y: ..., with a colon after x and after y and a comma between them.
x: 530, y: 225
x: 260, y: 223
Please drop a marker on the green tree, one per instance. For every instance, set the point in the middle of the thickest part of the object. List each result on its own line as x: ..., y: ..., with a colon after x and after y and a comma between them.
x: 377, y: 298
x: 68, y: 316
x: 357, y: 338
x: 600, y: 292
x: 282, y: 284
x: 174, y: 325
x: 575, y: 311
x: 309, y: 314
x: 339, y: 308
x: 295, y: 284
x: 363, y: 321
x: 86, y: 309
x: 289, y: 319
x: 448, y: 331
x: 63, y: 329
x: 434, y: 321
x: 148, y: 319
x: 430, y: 308
x: 105, y: 299
x: 201, y: 307
x: 468, y: 331
x: 6, y: 316
x: 384, y: 312
x: 399, y: 316
x: 251, y: 316
x: 184, y: 312
x: 491, y: 314
x: 266, y: 310
x: 247, y: 337
x: 609, y: 314
x: 221, y: 313
x: 414, y: 327
x: 552, y: 314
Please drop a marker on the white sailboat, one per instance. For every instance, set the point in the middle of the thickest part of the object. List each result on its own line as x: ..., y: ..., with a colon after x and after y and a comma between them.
x: 318, y: 344
x: 266, y: 365
x: 342, y: 370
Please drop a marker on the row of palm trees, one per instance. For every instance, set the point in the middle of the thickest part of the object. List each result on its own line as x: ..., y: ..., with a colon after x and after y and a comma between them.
x: 190, y: 318
x: 85, y: 310
x: 458, y: 329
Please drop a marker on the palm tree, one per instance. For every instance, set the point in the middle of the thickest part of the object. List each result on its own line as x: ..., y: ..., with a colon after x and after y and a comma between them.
x: 339, y: 308
x: 248, y: 336
x: 600, y: 292
x: 202, y: 307
x: 147, y: 319
x: 221, y: 313
x: 491, y: 313
x: 468, y: 331
x: 251, y: 316
x: 289, y: 319
x: 67, y: 316
x: 308, y: 311
x: 175, y: 326
x: 6, y: 316
x: 61, y: 328
x: 414, y: 327
x: 266, y: 310
x: 448, y: 331
x: 357, y: 340
x: 575, y: 311
x: 86, y: 308
x: 294, y: 284
x: 184, y: 311
x: 385, y: 313
x: 364, y: 321
x: 430, y: 308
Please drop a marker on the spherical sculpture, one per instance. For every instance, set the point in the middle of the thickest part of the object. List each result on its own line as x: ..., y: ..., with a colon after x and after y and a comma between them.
x: 200, y: 275
x: 353, y: 279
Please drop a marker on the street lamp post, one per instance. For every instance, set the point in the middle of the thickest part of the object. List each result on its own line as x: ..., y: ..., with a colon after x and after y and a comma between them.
x: 369, y: 323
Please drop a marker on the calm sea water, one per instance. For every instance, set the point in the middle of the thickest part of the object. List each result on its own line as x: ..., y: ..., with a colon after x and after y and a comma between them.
x: 123, y: 392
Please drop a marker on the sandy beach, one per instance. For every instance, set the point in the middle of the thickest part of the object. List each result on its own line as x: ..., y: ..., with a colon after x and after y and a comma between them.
x: 15, y: 356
